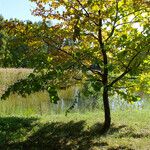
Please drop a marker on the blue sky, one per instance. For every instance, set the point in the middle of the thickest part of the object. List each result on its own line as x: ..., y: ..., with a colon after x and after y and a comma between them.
x: 19, y: 9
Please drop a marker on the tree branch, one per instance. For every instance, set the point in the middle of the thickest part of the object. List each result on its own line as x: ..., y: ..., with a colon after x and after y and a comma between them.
x: 129, y: 14
x: 127, y: 70
x: 126, y: 23
x: 113, y: 28
x: 96, y: 71
x: 87, y: 14
x: 90, y: 34
x: 118, y: 78
x: 128, y: 66
x: 105, y: 61
x: 70, y: 55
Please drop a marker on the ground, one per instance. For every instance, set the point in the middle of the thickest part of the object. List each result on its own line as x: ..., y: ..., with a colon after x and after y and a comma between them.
x: 130, y: 130
x: 28, y: 123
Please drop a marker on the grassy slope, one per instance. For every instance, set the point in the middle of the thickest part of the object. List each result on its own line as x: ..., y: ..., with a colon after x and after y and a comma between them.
x: 129, y: 130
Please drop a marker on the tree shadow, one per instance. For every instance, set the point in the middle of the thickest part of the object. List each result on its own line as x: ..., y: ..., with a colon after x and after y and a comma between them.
x: 61, y: 136
x: 29, y: 133
x: 14, y: 128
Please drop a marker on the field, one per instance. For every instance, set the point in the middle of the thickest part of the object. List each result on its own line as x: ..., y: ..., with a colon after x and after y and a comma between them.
x: 29, y: 123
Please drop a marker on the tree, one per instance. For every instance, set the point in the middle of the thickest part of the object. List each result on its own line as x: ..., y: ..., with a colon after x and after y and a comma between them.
x: 24, y: 45
x: 108, y: 41
x: 3, y: 40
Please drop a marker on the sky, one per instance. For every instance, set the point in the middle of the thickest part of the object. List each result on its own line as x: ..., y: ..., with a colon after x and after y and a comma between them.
x: 20, y: 9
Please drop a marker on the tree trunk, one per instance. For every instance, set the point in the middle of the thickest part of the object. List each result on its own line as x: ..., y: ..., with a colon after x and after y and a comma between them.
x: 107, y: 121
x: 107, y: 116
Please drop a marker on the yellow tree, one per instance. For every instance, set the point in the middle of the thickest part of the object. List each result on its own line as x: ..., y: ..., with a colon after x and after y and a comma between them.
x: 108, y: 40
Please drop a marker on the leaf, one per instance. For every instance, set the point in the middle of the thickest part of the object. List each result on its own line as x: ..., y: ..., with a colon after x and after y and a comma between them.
x: 96, y: 86
x: 53, y: 94
x: 95, y: 8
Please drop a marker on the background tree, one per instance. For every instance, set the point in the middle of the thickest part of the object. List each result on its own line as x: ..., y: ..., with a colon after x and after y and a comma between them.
x: 3, y: 41
x: 24, y: 44
x: 104, y: 42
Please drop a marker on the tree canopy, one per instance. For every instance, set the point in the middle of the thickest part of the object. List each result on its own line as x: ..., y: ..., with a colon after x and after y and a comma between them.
x: 22, y: 43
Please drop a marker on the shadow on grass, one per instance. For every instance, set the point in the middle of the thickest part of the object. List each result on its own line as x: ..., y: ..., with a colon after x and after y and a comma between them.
x: 14, y: 128
x: 28, y: 133
x: 52, y: 136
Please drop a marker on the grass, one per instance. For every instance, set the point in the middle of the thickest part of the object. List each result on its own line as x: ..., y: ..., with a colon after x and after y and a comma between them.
x: 129, y: 130
x: 34, y: 104
x: 37, y: 103
x: 30, y: 123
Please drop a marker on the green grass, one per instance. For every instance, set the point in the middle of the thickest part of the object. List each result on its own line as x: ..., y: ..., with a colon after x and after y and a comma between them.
x: 129, y: 130
x: 30, y: 123
x: 34, y: 104
x: 37, y: 103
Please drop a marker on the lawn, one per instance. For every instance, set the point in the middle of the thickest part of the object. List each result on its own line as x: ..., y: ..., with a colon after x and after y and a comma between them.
x: 130, y: 130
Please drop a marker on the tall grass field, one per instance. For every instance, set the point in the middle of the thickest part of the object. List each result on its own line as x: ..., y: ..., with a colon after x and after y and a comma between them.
x: 34, y: 123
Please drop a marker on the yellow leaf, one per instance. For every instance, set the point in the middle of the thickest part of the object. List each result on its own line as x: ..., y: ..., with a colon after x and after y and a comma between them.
x: 45, y: 1
x: 95, y: 8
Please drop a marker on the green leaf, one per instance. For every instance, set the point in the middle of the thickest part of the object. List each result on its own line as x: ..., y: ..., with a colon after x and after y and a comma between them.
x: 53, y: 95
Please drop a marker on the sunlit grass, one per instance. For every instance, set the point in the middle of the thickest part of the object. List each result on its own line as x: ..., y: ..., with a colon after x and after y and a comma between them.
x: 10, y: 75
x: 37, y: 103
x: 34, y: 104
x: 34, y: 123
x: 129, y: 130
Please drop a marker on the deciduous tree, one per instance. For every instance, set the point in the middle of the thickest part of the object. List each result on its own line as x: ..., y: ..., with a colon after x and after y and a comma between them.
x: 106, y: 40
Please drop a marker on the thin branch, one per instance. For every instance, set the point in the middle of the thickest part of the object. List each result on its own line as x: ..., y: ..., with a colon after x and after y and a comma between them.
x: 90, y: 34
x: 119, y: 77
x: 87, y: 14
x: 127, y: 70
x: 126, y: 23
x: 129, y: 78
x: 77, y: 60
x: 123, y: 87
x: 132, y: 59
x: 96, y: 71
x: 129, y: 14
x: 113, y: 28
